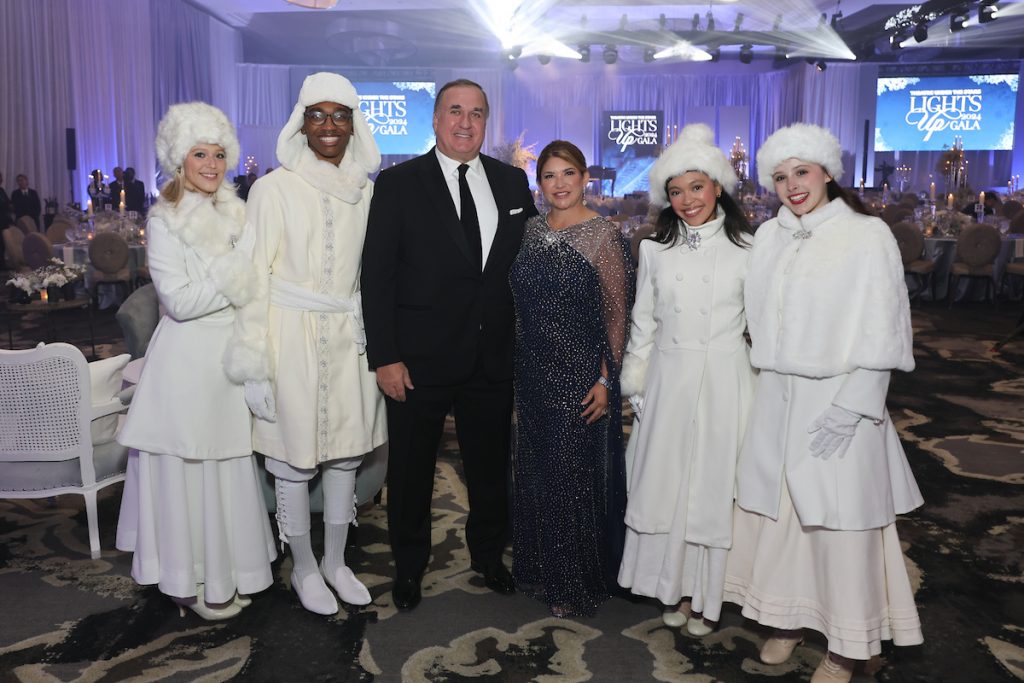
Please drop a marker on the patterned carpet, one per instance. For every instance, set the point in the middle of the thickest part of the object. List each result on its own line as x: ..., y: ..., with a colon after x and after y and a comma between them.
x: 68, y: 618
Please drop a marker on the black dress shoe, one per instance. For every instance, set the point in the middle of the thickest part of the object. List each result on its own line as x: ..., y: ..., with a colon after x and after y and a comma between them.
x: 406, y: 593
x: 496, y: 577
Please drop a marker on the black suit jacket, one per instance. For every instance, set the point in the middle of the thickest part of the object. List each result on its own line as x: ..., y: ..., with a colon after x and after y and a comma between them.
x: 135, y: 196
x: 26, y: 204
x: 425, y: 302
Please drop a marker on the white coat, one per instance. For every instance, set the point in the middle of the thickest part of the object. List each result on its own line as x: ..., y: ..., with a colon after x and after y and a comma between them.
x: 328, y: 403
x: 185, y: 405
x: 688, y: 358
x: 829, y: 317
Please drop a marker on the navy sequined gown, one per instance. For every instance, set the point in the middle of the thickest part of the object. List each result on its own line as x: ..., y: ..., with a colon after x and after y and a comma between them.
x: 572, y: 297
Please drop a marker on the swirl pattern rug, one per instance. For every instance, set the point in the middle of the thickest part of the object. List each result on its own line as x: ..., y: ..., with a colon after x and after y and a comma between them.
x: 960, y: 414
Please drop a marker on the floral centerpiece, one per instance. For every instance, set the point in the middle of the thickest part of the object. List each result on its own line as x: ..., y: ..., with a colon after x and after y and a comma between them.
x: 950, y: 223
x: 515, y: 153
x: 56, y: 278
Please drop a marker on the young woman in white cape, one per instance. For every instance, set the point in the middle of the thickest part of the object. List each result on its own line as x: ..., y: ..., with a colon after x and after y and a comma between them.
x: 822, y: 475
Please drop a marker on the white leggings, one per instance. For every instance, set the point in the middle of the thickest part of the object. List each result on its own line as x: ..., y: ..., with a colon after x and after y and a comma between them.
x: 292, y: 488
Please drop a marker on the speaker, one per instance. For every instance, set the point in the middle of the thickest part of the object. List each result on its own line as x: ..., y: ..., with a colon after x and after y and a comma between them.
x: 71, y: 148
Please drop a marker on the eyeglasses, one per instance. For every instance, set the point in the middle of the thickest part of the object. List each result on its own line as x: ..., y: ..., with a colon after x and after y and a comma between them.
x: 318, y: 117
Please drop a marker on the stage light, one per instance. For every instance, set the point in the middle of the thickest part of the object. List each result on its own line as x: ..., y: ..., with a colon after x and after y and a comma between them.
x: 836, y: 18
x: 957, y: 20
x: 987, y: 11
x: 739, y: 22
x: 823, y: 19
x: 649, y: 55
x: 584, y: 51
x: 511, y: 59
x: 623, y: 20
x: 746, y: 53
x: 662, y: 21
x: 821, y: 65
x: 711, y: 21
x: 544, y: 59
x: 610, y: 54
x: 778, y: 23
x: 695, y: 23
x: 896, y: 40
x: 716, y: 54
x: 921, y: 31
x: 682, y: 49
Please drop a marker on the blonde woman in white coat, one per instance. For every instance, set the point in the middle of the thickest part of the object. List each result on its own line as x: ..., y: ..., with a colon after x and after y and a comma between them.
x: 322, y: 409
x: 688, y: 374
x: 201, y: 531
x: 822, y: 474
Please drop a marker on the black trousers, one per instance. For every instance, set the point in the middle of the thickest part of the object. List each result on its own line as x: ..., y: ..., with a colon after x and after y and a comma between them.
x: 483, y: 415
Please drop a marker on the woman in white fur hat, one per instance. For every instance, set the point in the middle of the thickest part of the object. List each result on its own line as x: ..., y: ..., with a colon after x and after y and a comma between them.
x: 200, y: 529
x: 325, y: 408
x: 822, y: 474
x: 689, y: 376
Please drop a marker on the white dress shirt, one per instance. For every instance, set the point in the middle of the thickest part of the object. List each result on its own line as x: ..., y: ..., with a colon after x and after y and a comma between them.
x: 486, y: 209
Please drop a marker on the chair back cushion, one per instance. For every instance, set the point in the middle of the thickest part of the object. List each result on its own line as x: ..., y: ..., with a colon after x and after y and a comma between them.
x: 910, y: 241
x: 58, y: 231
x: 27, y: 225
x: 978, y: 245
x: 1017, y: 222
x: 138, y: 317
x: 108, y: 252
x: 36, y: 250
x: 1011, y: 208
x: 13, y: 239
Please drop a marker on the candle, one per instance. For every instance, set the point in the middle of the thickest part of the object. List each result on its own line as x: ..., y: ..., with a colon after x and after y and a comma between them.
x: 122, y: 196
x: 949, y: 201
x: 88, y: 207
x: 981, y: 197
x: 862, y: 186
x: 931, y: 192
x: 44, y: 296
x: 120, y: 207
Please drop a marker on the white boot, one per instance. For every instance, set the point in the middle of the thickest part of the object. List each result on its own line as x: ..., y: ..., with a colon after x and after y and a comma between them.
x: 339, y: 512
x: 293, y: 524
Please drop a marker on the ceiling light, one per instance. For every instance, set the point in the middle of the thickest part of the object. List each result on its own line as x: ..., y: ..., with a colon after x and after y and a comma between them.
x: 987, y: 11
x: 836, y: 18
x: 778, y: 23
x: 821, y: 65
x: 739, y: 22
x: 695, y: 24
x: 711, y: 21
x: 544, y: 59
x: 957, y: 20
x: 662, y: 21
x: 746, y: 53
x: 716, y: 54
x: 649, y: 55
x: 683, y: 50
x: 896, y: 40
x: 610, y: 54
x: 584, y: 51
x: 823, y: 19
x: 921, y: 31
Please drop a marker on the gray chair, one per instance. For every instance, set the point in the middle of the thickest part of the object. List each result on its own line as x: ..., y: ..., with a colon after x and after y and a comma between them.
x: 13, y: 255
x: 36, y: 250
x: 976, y: 250
x: 27, y: 225
x: 47, y: 445
x: 911, y: 244
x: 109, y: 254
x: 138, y: 316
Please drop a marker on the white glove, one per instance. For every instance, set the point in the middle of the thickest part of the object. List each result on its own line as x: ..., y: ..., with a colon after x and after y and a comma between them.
x: 637, y: 401
x: 835, y: 428
x: 259, y: 396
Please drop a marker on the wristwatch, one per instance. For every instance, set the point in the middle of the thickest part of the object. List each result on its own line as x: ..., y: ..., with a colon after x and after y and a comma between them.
x: 603, y: 381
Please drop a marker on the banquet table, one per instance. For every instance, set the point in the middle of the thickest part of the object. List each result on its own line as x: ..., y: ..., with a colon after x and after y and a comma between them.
x: 942, y: 250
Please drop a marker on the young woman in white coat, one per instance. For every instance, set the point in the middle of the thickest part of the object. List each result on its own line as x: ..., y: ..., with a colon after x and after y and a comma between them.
x: 202, y: 532
x: 689, y: 375
x: 822, y: 474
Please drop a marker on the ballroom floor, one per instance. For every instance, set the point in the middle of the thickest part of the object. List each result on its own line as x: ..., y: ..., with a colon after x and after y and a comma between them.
x: 960, y: 414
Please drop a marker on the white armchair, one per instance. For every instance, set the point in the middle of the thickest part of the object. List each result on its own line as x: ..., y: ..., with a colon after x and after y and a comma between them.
x: 53, y: 439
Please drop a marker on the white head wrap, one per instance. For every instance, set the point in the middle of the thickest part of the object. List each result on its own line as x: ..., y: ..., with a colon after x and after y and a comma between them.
x: 186, y: 125
x: 694, y: 151
x: 328, y: 87
x: 803, y: 141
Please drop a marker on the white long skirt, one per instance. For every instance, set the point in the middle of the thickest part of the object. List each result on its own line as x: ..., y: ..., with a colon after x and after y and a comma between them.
x: 852, y: 586
x: 193, y: 522
x: 666, y: 567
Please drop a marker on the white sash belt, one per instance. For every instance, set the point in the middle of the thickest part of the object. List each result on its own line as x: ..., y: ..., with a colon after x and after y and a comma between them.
x: 297, y: 298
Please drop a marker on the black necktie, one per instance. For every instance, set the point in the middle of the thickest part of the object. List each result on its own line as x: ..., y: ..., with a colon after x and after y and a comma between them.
x: 467, y: 214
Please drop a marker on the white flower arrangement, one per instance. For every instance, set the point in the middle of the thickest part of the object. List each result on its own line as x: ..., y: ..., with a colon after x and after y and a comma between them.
x: 26, y: 282
x: 55, y: 274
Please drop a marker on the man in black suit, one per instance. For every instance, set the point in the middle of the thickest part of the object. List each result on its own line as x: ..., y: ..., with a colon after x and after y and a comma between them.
x: 134, y: 192
x: 442, y: 233
x: 25, y: 201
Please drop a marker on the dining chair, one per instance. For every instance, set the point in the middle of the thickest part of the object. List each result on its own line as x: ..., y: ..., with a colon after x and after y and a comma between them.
x: 26, y: 224
x: 911, y: 244
x: 1017, y: 222
x: 57, y: 436
x: 138, y: 317
x: 13, y: 239
x: 108, y: 254
x: 36, y: 250
x: 976, y: 250
x: 894, y: 213
x: 57, y: 233
x: 1010, y: 208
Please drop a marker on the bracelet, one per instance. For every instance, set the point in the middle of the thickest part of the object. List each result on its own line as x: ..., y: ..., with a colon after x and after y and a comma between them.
x: 603, y: 381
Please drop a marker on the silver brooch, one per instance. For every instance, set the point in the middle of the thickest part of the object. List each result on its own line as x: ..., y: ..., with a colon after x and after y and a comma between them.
x: 693, y: 240
x: 802, y: 234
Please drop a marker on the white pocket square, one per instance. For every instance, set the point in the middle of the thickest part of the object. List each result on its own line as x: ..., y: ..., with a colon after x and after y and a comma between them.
x: 513, y: 212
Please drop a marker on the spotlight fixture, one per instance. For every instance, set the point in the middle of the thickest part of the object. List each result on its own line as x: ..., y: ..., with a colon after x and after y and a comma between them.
x: 823, y: 19
x: 836, y: 19
x: 662, y: 21
x: 695, y: 23
x: 921, y: 31
x: 584, y: 51
x: 649, y: 55
x: 778, y: 23
x: 716, y: 54
x: 711, y: 21
x: 610, y: 54
x: 896, y: 40
x: 746, y: 53
x: 623, y: 20
x: 821, y: 65
x: 739, y: 22
x: 511, y: 59
x: 544, y: 59
x: 987, y: 11
x: 957, y: 20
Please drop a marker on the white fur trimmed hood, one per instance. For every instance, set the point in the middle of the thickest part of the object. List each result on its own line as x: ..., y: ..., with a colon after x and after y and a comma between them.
x: 695, y: 150
x: 362, y: 156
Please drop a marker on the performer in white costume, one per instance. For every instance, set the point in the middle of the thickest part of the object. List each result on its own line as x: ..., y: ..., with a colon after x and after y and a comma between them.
x: 822, y: 474
x: 310, y: 220
x: 201, y: 530
x: 687, y: 366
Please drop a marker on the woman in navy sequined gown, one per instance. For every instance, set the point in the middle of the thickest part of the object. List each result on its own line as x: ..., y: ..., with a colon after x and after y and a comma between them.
x: 571, y: 282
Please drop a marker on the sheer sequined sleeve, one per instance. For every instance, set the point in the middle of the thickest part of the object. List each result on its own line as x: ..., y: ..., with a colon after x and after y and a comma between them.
x: 615, y: 272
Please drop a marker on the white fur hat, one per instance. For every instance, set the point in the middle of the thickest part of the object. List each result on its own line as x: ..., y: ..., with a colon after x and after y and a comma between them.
x: 694, y: 151
x: 188, y: 124
x: 328, y: 87
x: 803, y: 141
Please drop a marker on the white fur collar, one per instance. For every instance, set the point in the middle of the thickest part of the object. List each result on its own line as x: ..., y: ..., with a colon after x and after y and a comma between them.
x: 210, y: 225
x: 790, y: 221
x: 706, y: 230
x: 345, y: 181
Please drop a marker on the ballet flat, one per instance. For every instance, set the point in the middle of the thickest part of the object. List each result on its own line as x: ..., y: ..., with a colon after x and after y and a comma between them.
x: 778, y: 650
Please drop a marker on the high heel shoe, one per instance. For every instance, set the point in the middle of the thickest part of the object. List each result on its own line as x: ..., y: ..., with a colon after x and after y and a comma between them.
x: 204, y: 610
x: 777, y: 650
x: 346, y: 585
